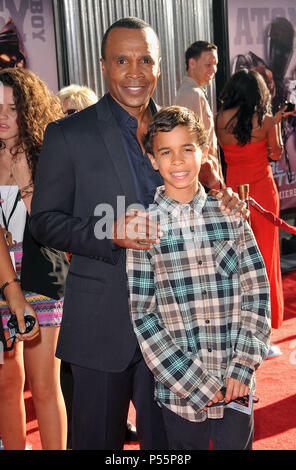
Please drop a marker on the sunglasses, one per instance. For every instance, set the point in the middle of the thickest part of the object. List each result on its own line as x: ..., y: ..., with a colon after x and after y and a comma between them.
x: 70, y: 111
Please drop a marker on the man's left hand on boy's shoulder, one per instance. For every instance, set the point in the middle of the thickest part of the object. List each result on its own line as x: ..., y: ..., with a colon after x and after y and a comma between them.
x: 230, y: 202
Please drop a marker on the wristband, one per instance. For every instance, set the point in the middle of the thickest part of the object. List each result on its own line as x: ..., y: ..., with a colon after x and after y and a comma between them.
x: 7, y: 284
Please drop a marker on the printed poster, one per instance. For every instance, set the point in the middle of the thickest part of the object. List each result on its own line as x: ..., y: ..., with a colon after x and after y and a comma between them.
x: 262, y: 35
x: 27, y: 38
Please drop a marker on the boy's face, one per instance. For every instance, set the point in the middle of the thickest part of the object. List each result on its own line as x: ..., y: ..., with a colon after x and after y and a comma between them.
x: 178, y: 157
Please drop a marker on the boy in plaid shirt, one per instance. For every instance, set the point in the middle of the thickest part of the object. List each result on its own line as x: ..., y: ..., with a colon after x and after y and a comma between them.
x: 199, y: 299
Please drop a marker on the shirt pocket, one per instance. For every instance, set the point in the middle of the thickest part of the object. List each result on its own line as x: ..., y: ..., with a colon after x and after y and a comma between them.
x: 226, y: 257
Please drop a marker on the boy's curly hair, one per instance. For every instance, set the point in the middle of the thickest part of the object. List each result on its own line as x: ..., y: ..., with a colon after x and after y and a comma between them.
x: 36, y: 107
x: 170, y: 117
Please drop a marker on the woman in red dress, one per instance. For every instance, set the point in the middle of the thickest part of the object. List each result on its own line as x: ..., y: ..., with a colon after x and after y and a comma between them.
x: 250, y: 137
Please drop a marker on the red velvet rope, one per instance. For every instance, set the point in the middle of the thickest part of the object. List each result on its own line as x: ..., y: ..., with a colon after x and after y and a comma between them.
x: 272, y: 217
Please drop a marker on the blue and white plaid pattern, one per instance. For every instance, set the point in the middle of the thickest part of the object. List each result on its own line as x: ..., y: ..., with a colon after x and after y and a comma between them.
x: 199, y: 304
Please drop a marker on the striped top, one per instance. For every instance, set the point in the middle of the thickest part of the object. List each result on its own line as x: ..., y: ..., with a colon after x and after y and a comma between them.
x: 199, y: 304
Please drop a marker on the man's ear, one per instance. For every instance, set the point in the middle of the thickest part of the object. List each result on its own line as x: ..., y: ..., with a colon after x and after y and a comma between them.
x: 191, y: 63
x: 159, y: 67
x: 103, y: 66
x: 153, y: 161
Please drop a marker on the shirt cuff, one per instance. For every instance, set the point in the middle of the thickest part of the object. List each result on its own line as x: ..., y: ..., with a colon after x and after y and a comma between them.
x: 206, y: 390
x: 241, y: 372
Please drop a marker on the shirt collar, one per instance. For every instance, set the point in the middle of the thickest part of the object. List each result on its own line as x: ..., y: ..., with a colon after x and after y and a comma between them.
x: 175, y: 208
x: 191, y: 81
x: 124, y: 118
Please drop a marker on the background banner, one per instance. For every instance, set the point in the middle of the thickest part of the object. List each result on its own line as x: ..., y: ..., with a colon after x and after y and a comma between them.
x: 27, y: 38
x: 262, y: 37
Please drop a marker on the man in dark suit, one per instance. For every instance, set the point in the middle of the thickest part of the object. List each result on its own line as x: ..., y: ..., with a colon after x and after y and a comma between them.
x: 90, y: 163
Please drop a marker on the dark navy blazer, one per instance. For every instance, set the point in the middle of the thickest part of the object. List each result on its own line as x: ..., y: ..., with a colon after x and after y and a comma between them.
x: 83, y: 164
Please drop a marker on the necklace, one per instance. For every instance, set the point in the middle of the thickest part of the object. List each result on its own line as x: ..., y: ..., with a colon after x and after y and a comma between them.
x: 4, y: 149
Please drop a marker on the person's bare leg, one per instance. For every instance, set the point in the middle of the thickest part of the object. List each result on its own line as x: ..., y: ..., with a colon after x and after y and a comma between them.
x: 12, y: 408
x: 43, y: 374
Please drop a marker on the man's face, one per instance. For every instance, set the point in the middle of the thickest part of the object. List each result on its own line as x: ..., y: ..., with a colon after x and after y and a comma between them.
x: 131, y: 67
x: 204, y: 68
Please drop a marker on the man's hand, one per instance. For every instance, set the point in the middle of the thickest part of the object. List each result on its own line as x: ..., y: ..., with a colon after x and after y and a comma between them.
x: 135, y: 230
x: 235, y: 389
x: 209, y: 173
x: 230, y: 202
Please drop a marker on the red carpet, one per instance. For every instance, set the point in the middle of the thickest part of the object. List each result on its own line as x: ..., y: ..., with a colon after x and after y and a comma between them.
x: 275, y: 414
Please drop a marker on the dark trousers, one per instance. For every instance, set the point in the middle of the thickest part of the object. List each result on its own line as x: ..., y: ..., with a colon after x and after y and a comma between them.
x: 100, y: 408
x: 67, y: 385
x: 232, y: 432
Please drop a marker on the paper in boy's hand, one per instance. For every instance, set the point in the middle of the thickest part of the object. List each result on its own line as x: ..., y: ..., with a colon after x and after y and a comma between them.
x: 242, y: 405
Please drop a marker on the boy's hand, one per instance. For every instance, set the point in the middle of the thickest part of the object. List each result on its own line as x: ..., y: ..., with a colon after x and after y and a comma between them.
x: 235, y: 389
x: 231, y: 202
x: 218, y: 397
x: 135, y: 230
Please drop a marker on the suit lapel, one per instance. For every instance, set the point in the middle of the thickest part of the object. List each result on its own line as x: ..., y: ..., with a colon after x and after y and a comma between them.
x: 110, y: 133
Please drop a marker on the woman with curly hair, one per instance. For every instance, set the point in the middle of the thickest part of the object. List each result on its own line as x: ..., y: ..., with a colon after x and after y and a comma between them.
x: 250, y: 137
x: 26, y: 107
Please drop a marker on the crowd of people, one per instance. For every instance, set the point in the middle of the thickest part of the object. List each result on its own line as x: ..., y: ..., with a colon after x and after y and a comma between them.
x: 143, y: 313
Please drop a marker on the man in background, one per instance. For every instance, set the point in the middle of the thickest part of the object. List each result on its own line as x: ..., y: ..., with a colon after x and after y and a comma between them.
x: 201, y: 66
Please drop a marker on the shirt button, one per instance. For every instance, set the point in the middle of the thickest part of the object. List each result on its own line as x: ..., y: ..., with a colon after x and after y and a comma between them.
x: 207, y: 321
x: 200, y: 261
x: 204, y: 292
x: 210, y: 349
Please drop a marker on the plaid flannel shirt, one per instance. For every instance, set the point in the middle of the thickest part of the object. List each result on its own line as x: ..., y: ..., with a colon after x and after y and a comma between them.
x: 199, y: 304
